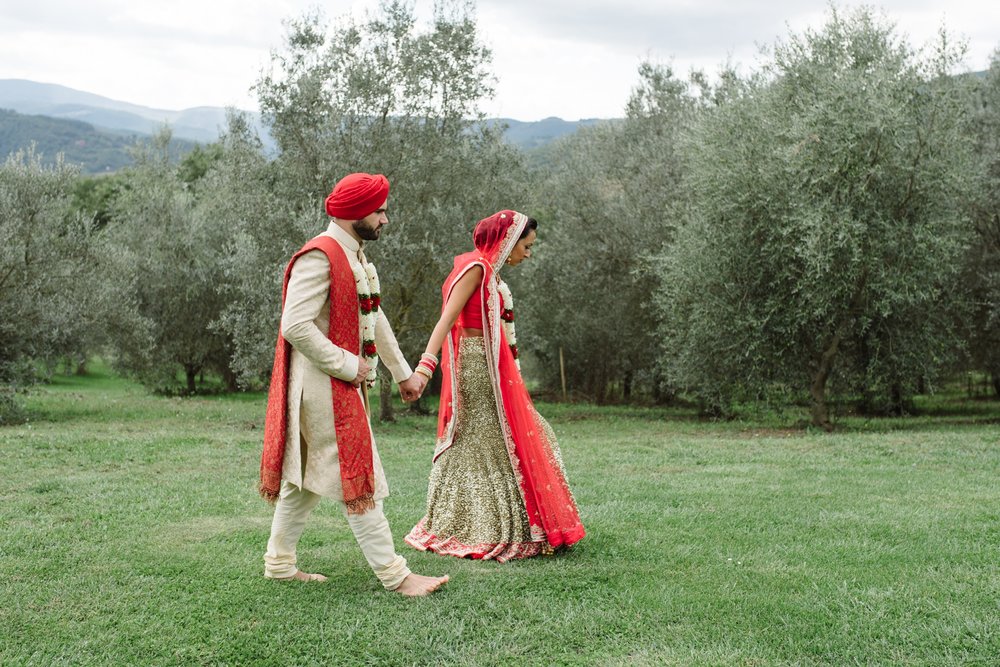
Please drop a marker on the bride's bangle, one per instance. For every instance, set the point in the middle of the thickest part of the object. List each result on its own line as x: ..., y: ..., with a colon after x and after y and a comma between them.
x: 428, y: 362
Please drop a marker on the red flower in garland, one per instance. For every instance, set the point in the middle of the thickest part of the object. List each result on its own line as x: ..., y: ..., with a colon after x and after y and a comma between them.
x: 368, y: 349
x: 366, y: 305
x: 507, y: 315
x: 376, y: 301
x: 513, y: 350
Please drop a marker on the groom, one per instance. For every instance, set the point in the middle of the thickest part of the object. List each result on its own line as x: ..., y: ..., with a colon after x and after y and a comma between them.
x: 318, y: 440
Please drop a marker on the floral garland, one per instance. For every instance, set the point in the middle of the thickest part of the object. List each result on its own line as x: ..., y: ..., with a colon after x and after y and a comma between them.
x: 507, y: 318
x: 369, y: 301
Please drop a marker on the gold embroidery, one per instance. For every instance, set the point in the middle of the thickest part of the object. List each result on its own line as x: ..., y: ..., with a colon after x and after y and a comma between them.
x: 474, y: 502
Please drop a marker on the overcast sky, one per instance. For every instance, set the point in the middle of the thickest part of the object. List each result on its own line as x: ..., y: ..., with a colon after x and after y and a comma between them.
x: 568, y: 58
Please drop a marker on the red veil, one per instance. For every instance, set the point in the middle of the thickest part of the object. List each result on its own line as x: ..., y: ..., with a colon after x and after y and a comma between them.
x: 552, y: 512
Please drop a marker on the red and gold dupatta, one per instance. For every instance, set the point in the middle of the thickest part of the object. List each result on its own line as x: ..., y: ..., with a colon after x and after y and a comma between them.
x: 552, y: 512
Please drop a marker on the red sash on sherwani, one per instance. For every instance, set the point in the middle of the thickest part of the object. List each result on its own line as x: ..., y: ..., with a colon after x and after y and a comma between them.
x: 354, y: 445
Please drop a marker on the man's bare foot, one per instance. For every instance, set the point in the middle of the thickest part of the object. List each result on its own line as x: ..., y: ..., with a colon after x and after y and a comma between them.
x: 416, y: 585
x: 302, y: 576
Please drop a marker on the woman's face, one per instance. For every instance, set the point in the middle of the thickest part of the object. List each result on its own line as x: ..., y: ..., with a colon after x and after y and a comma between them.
x: 522, y: 249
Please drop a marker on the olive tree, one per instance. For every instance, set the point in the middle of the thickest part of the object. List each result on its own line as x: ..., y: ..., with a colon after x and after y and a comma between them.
x: 983, y: 260
x: 46, y: 275
x: 238, y: 194
x: 381, y: 95
x: 608, y: 201
x: 826, y: 226
x: 163, y: 269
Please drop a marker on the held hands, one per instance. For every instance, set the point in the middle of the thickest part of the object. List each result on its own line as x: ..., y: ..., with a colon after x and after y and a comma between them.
x: 412, y: 387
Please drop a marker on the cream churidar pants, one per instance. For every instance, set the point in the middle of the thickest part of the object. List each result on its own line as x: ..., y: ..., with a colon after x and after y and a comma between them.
x: 370, y: 529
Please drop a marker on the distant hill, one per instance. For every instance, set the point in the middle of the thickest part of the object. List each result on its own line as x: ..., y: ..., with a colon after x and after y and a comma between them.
x: 95, y: 150
x: 203, y: 124
x: 531, y: 135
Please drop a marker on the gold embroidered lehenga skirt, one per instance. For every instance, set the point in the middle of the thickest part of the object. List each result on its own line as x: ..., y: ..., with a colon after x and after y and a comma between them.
x: 474, y: 504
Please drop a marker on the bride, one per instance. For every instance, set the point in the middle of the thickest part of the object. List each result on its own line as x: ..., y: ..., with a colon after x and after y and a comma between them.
x: 497, y: 486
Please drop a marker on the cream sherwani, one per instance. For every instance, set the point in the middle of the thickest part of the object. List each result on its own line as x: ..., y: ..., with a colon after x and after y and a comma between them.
x: 311, y: 467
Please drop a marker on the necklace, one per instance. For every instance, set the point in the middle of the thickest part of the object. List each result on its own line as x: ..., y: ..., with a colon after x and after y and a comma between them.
x: 507, y: 318
x: 369, y: 300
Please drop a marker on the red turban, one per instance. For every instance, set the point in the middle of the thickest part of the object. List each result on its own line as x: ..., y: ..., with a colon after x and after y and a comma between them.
x: 357, y: 195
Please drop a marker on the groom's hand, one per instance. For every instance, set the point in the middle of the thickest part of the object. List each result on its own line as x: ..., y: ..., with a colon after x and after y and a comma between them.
x: 412, y: 387
x: 363, y: 369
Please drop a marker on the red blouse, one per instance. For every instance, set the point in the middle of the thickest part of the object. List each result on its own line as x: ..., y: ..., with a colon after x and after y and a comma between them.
x: 471, y: 316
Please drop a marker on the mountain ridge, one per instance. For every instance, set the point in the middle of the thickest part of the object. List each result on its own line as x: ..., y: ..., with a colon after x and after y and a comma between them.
x: 94, y: 150
x: 203, y: 124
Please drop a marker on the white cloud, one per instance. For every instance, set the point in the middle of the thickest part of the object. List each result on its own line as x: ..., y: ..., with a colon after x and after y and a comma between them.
x: 585, y: 53
x: 568, y: 58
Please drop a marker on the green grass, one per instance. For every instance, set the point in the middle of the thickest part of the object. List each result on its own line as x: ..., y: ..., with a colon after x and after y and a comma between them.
x: 132, y: 534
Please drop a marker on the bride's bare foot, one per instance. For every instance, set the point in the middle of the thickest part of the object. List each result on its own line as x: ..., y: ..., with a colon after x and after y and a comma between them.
x: 416, y: 585
x: 303, y: 576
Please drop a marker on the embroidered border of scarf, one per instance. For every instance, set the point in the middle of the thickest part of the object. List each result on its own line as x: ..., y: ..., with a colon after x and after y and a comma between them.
x: 354, y: 444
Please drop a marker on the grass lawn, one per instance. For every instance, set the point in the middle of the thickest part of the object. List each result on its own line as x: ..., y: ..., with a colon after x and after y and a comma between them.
x: 132, y: 534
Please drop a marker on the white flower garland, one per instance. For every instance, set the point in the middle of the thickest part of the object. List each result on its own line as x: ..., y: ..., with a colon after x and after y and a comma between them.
x: 369, y: 300
x: 507, y: 318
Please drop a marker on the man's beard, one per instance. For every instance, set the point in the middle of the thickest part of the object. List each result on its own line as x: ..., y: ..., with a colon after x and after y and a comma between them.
x: 365, y: 232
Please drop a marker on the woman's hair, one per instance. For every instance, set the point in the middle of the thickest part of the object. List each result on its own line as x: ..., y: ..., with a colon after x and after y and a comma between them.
x: 532, y: 224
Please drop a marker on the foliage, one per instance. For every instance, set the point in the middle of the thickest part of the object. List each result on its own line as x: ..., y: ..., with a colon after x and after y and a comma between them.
x: 11, y: 410
x: 46, y: 274
x: 163, y: 259
x: 608, y: 201
x: 982, y: 272
x: 826, y: 227
x: 239, y: 195
x: 196, y: 164
x: 379, y: 96
x: 93, y: 196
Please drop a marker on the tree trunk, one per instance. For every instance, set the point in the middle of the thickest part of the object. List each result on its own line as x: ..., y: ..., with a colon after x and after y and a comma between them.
x: 996, y: 384
x: 386, y: 410
x: 601, y: 393
x: 627, y: 387
x: 229, y: 377
x: 192, y: 373
x: 867, y: 405
x: 820, y: 411
x: 896, y: 407
x: 599, y: 386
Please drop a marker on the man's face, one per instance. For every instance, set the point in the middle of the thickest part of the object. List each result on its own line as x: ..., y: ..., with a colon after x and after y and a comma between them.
x: 370, y: 227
